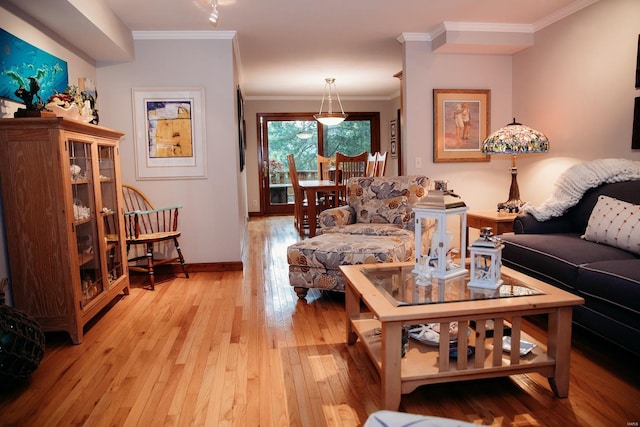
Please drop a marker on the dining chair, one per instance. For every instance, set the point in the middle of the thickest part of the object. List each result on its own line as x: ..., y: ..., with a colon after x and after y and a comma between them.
x: 349, y: 167
x: 371, y: 164
x: 381, y: 164
x: 327, y: 199
x: 300, y: 202
x: 324, y: 163
x: 146, y: 226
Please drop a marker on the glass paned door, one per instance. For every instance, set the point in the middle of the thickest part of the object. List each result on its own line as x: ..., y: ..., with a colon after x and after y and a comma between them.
x: 85, y: 224
x: 301, y: 135
x: 284, y: 137
x: 351, y: 137
x: 114, y: 265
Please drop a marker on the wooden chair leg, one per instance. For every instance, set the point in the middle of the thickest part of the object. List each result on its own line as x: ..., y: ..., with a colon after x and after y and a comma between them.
x: 184, y: 269
x: 150, y: 266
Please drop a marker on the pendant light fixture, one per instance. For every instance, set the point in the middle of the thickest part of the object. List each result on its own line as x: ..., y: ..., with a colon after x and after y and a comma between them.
x: 330, y: 118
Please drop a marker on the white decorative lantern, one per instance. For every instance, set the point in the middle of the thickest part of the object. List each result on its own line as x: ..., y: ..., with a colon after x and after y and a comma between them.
x: 486, y: 260
x: 444, y: 214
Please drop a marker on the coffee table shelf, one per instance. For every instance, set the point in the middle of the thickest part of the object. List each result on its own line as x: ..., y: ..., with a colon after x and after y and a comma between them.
x: 379, y: 330
x: 422, y: 361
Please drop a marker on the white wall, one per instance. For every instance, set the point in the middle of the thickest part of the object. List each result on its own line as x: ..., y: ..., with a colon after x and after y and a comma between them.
x: 576, y: 84
x: 387, y: 110
x: 211, y: 219
x: 481, y: 184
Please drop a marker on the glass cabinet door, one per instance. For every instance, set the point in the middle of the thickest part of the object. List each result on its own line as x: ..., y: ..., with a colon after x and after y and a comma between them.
x: 114, y: 265
x: 85, y: 224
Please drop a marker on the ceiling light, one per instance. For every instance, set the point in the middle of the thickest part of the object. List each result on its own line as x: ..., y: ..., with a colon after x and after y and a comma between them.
x: 330, y: 118
x: 213, y: 18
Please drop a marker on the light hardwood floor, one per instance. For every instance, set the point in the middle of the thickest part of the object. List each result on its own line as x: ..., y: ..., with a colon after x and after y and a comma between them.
x: 239, y: 348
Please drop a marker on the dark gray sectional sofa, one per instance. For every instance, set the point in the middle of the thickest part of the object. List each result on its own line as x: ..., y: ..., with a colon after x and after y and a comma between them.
x: 606, y: 277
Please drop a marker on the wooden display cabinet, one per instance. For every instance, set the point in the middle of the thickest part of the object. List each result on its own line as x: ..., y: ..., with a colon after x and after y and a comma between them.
x: 62, y: 204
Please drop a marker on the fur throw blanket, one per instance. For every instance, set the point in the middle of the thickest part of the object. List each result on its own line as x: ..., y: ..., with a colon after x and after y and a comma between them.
x: 575, y: 181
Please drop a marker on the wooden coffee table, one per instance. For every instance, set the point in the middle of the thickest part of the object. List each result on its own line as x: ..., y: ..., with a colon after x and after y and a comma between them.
x: 394, y: 300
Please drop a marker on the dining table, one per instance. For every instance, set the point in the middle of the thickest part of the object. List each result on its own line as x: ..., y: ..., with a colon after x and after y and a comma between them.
x: 312, y: 188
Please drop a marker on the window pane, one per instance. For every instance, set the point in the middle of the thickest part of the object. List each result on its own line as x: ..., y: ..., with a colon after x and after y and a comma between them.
x: 350, y: 137
x: 289, y: 137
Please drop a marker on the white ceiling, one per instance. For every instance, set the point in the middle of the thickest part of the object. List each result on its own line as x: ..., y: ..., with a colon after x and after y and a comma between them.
x: 288, y: 47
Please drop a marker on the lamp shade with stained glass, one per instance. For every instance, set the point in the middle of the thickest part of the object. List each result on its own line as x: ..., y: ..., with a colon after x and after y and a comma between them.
x: 515, y: 139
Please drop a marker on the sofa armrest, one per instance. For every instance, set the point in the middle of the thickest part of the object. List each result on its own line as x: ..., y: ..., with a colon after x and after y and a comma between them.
x: 525, y: 223
x: 342, y: 215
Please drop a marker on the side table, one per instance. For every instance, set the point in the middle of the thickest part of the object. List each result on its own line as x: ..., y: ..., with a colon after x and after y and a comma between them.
x: 500, y: 222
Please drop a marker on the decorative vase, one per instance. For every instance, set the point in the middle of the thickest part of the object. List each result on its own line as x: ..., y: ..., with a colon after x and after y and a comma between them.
x: 22, y: 345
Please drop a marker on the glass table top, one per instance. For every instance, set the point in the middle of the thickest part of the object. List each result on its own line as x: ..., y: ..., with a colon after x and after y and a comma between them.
x: 402, y: 287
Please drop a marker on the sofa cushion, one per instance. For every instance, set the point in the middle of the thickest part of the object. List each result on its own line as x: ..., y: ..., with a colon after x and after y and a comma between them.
x: 555, y: 257
x: 367, y: 191
x: 332, y: 250
x: 579, y: 214
x: 341, y: 215
x: 392, y: 210
x: 615, y: 223
x: 614, y: 281
x: 368, y: 229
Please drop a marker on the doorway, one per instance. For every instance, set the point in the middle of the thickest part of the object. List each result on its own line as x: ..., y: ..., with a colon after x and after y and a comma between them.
x: 300, y: 134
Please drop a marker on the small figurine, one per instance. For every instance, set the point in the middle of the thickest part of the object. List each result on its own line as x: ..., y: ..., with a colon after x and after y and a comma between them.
x: 28, y: 95
x: 75, y: 172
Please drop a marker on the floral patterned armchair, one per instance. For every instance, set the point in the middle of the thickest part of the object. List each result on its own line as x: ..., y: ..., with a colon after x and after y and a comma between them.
x: 380, y: 202
x: 375, y: 226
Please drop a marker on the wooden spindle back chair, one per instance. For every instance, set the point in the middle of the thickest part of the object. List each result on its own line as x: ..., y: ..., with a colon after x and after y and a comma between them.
x: 324, y: 163
x: 146, y: 226
x: 381, y: 164
x: 351, y: 166
x: 300, y: 202
x: 371, y: 164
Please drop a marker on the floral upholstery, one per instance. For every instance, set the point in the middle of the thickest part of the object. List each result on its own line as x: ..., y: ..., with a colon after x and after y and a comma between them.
x: 375, y: 227
x: 368, y: 229
x: 315, y: 261
x: 380, y: 200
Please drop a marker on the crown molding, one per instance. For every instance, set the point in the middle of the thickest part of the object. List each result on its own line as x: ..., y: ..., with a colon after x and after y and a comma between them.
x: 318, y: 98
x: 486, y: 27
x: 414, y: 37
x: 497, y: 27
x: 561, y: 14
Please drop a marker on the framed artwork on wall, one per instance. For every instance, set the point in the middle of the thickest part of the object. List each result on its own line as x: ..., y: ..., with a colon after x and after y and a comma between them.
x: 392, y: 139
x: 20, y: 61
x: 638, y: 65
x: 169, y: 133
x: 635, y: 138
x: 242, y: 143
x: 461, y: 121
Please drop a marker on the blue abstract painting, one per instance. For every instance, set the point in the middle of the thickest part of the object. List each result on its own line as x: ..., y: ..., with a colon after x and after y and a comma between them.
x: 20, y: 60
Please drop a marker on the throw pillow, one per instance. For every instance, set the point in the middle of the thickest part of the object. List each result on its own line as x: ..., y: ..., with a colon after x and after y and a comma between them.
x: 614, y: 223
x: 392, y: 211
